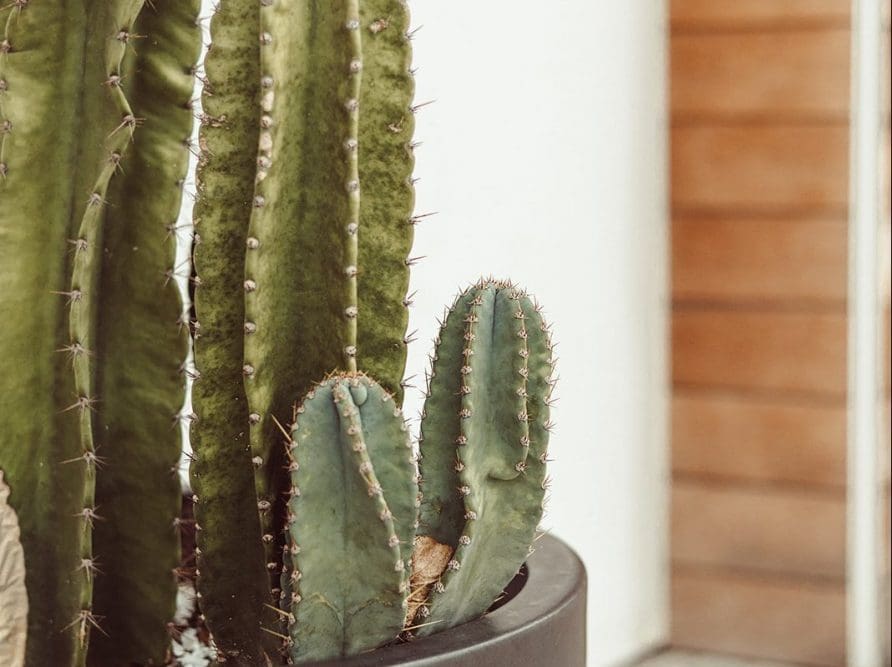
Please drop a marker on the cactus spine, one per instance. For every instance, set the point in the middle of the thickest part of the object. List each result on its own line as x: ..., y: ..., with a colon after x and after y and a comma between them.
x: 66, y: 125
x: 307, y: 109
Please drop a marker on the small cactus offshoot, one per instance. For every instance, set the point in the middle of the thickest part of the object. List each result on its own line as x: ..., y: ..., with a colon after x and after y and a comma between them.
x: 483, y: 451
x: 353, y: 464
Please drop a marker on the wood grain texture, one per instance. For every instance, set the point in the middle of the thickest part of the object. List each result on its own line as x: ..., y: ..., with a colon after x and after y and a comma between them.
x: 760, y: 168
x: 759, y: 193
x: 782, y: 532
x: 799, y: 621
x: 794, y: 74
x: 758, y: 440
x: 759, y: 13
x: 753, y: 259
x: 773, y: 351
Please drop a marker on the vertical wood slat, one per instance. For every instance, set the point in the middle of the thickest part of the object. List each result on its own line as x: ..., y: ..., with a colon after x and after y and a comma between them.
x: 799, y: 74
x: 757, y: 13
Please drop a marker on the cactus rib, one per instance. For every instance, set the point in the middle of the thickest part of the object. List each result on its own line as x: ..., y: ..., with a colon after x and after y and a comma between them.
x: 138, y: 490
x: 306, y: 183
x: 386, y: 125
x: 317, y: 94
x: 233, y: 580
x: 58, y: 66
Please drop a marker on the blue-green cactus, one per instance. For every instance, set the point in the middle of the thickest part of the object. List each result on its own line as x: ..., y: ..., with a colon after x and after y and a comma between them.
x: 484, y: 447
x: 351, y: 519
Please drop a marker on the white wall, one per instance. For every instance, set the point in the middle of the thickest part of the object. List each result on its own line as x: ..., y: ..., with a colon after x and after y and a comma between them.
x: 544, y: 155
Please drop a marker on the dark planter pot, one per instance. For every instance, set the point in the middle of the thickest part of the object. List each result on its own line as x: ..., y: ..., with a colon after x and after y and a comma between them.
x: 541, y: 623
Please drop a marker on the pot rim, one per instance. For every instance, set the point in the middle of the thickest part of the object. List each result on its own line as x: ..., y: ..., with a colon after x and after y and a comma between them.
x: 556, y: 582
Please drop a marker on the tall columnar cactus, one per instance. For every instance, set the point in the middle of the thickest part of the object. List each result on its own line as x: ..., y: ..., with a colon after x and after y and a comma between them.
x: 91, y: 352
x: 351, y: 520
x: 305, y: 221
x: 140, y: 381
x: 484, y: 443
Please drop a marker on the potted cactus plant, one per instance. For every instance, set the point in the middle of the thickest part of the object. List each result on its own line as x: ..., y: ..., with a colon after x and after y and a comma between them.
x: 324, y: 533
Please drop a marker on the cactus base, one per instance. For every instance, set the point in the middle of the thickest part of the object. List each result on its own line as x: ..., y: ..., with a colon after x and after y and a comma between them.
x: 542, y: 624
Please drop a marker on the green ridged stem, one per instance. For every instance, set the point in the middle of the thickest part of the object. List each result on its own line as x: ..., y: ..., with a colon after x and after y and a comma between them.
x: 484, y: 452
x: 233, y: 579
x: 386, y: 161
x: 332, y: 89
x: 351, y: 519
x: 304, y: 182
x: 64, y: 125
x: 143, y: 347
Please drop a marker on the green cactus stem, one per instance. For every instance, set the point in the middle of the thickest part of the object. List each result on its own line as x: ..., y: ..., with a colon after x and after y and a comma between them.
x: 484, y: 443
x: 305, y: 185
x: 352, y: 518
x: 232, y: 574
x: 140, y: 381
x: 65, y: 125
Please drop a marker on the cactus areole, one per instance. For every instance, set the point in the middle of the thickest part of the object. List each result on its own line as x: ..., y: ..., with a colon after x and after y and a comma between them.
x: 323, y: 529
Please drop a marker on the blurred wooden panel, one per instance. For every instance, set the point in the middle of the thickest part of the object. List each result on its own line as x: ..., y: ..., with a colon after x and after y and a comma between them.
x: 797, y: 73
x: 885, y: 449
x: 886, y: 88
x: 760, y: 168
x: 753, y: 259
x: 779, y: 531
x: 759, y: 440
x: 761, y: 350
x: 740, y: 13
x: 773, y: 619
